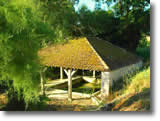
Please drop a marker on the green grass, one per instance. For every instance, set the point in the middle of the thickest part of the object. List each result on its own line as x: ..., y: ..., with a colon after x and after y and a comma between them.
x: 140, y: 81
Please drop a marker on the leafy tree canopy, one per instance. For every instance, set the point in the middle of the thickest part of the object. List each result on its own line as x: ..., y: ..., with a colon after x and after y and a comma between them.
x: 25, y: 27
x: 123, y: 23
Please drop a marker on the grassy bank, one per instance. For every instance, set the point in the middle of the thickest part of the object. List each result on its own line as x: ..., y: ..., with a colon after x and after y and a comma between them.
x: 137, y: 93
x: 132, y: 93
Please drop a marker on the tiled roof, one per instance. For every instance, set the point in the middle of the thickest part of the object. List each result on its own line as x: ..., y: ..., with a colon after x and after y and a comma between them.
x: 86, y: 54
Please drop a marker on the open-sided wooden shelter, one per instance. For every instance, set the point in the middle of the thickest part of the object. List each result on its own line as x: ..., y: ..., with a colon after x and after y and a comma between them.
x: 90, y: 54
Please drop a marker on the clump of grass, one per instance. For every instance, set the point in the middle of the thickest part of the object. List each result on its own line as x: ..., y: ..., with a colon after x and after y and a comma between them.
x: 119, y: 87
x: 138, y: 82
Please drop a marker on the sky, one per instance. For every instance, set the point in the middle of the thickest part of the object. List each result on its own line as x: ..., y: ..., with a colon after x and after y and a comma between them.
x: 90, y: 4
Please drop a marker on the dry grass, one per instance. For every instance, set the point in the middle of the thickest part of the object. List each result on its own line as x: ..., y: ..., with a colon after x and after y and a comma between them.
x: 3, y: 100
x: 138, y: 93
x: 138, y: 82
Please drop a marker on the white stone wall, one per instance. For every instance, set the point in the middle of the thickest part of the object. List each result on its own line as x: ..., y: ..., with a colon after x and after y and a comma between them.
x: 105, y: 83
x: 107, y: 78
x: 121, y: 72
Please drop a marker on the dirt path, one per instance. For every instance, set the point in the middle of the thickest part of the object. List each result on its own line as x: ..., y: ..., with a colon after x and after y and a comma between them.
x: 80, y: 102
x: 75, y: 105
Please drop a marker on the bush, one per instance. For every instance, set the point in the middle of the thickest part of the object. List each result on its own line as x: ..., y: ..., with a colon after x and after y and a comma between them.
x: 144, y: 53
x: 3, y: 86
x: 144, y: 42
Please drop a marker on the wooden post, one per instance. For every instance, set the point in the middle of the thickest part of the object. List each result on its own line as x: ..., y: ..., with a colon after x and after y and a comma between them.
x: 42, y: 84
x: 69, y: 85
x: 82, y: 72
x: 69, y: 73
x: 61, y: 73
x: 94, y: 74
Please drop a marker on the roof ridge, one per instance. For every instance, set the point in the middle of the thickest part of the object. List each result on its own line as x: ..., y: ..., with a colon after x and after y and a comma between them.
x: 104, y: 64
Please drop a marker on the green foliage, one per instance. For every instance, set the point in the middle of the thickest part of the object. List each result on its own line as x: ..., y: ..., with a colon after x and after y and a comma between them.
x: 144, y: 53
x: 122, y: 24
x: 144, y: 42
x: 22, y: 33
x: 60, y: 14
x: 95, y: 22
x: 3, y: 86
x: 25, y: 27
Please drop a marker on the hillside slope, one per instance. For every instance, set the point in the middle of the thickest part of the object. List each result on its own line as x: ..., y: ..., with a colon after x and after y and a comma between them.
x: 134, y: 94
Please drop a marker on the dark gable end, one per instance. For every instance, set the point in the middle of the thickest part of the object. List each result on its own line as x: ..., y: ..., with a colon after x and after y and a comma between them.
x: 114, y: 56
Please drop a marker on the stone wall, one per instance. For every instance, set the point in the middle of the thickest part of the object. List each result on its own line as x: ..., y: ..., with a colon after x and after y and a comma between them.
x: 107, y: 78
x: 121, y: 72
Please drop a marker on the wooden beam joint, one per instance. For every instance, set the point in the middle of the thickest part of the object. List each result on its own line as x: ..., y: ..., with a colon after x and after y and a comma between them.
x: 69, y: 74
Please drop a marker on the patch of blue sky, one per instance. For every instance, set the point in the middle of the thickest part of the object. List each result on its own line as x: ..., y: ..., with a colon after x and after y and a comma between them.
x: 147, y: 7
x: 90, y: 4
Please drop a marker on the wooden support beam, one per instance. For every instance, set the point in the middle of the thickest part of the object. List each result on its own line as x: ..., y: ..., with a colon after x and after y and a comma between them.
x: 61, y: 73
x: 73, y: 72
x: 70, y: 73
x: 82, y: 72
x: 66, y: 72
x: 94, y: 74
x: 69, y: 85
x: 42, y: 84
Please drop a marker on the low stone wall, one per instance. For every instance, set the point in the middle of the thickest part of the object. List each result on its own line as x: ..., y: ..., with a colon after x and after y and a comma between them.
x: 122, y: 72
x: 107, y: 78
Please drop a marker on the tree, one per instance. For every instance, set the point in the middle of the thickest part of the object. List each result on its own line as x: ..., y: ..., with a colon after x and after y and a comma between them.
x: 60, y: 14
x: 95, y: 23
x: 123, y: 23
x: 134, y: 22
x: 22, y: 33
x: 25, y: 27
